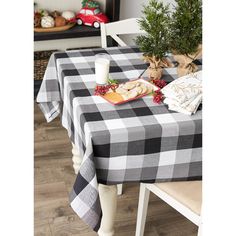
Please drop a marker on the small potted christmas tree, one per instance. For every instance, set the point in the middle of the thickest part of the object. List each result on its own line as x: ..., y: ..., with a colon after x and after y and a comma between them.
x: 155, y: 43
x: 186, y: 34
x: 90, y: 4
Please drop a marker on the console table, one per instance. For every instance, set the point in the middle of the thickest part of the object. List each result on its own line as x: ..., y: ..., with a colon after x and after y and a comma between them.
x: 77, y: 35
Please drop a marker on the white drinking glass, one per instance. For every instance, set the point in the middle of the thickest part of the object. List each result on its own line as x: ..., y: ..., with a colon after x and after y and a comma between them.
x: 102, y: 65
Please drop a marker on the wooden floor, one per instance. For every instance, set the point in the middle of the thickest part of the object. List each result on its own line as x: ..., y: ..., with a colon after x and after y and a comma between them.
x: 54, y: 178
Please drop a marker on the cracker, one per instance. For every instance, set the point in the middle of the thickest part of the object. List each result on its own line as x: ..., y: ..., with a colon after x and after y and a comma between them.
x: 121, y: 90
x: 130, y: 94
x: 129, y: 85
x: 138, y: 89
x: 144, y: 88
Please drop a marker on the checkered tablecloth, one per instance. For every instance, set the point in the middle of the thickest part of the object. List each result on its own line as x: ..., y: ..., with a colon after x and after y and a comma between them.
x: 138, y: 141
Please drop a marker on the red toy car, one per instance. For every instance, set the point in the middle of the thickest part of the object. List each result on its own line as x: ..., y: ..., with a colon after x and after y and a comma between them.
x: 91, y: 16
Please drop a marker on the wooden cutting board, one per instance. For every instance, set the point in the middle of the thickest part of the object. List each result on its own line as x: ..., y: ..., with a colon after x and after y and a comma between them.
x: 54, y: 29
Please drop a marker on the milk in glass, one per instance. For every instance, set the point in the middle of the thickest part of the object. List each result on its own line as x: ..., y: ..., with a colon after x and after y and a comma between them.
x: 102, y: 65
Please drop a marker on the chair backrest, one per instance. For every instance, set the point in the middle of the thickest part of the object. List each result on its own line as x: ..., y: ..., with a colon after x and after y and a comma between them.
x: 113, y: 29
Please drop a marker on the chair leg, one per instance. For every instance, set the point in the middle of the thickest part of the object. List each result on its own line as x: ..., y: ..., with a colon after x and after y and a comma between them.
x: 142, y: 209
x: 119, y: 189
x: 199, y: 233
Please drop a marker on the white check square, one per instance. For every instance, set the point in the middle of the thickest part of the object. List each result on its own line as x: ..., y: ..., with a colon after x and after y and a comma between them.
x: 164, y: 118
x: 88, y: 78
x: 117, y: 163
x: 87, y: 128
x: 77, y: 59
x: 167, y: 158
x: 114, y: 124
x: 80, y: 206
x: 117, y: 57
x: 132, y: 74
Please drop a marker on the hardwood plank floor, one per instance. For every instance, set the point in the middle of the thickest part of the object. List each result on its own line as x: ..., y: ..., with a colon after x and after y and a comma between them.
x: 54, y: 177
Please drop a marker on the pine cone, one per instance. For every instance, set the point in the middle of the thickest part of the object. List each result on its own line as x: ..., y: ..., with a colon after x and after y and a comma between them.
x: 37, y: 20
x: 55, y: 14
x: 60, y: 21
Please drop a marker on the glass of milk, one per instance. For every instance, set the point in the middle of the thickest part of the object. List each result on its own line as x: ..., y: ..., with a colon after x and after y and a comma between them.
x: 102, y: 65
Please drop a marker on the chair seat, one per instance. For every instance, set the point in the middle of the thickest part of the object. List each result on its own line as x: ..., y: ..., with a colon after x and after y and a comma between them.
x: 189, y: 193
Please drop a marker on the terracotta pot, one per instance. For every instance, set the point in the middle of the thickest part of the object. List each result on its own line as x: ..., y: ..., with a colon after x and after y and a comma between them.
x: 186, y: 65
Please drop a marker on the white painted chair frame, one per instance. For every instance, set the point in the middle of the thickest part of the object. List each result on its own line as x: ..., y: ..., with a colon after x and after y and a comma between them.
x: 113, y: 29
x: 143, y: 206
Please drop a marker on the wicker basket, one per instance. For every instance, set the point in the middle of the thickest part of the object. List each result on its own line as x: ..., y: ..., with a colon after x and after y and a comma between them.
x: 40, y: 63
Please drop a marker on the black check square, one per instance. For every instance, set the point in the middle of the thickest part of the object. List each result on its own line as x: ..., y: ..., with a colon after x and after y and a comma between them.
x: 98, y: 51
x: 125, y: 113
x: 81, y: 93
x: 70, y: 72
x: 102, y: 150
x: 87, y: 53
x: 59, y: 55
x: 80, y: 183
x: 92, y: 116
x: 115, y: 69
x: 197, y: 141
x: 152, y: 145
x: 142, y: 111
x: 136, y: 147
x: 128, y: 50
x: 185, y: 142
x: 102, y: 175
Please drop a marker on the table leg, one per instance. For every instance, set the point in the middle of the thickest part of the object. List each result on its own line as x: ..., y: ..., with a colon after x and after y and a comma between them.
x: 108, y: 199
x: 77, y: 160
x: 119, y: 189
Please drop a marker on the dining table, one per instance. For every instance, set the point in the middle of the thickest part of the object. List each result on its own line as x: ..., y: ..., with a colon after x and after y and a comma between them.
x: 138, y: 141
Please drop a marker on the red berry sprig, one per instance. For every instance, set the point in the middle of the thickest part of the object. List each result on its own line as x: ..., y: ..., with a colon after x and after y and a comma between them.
x: 101, y: 89
x: 113, y: 84
x: 157, y: 96
x: 159, y: 83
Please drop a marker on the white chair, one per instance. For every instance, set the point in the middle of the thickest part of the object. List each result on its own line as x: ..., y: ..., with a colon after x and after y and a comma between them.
x: 113, y: 29
x: 185, y: 197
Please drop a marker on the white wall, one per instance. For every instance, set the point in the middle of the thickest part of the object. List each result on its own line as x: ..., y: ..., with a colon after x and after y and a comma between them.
x: 62, y: 5
x: 133, y: 9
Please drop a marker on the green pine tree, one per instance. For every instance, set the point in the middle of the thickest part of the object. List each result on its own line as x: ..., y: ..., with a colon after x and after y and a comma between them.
x: 84, y: 2
x: 186, y: 26
x: 89, y: 3
x: 155, y: 22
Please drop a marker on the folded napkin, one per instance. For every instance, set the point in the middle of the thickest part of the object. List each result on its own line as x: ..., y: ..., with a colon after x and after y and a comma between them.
x: 184, y: 94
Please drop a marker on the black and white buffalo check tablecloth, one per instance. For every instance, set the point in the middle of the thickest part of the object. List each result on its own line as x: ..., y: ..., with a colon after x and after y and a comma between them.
x: 139, y: 141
